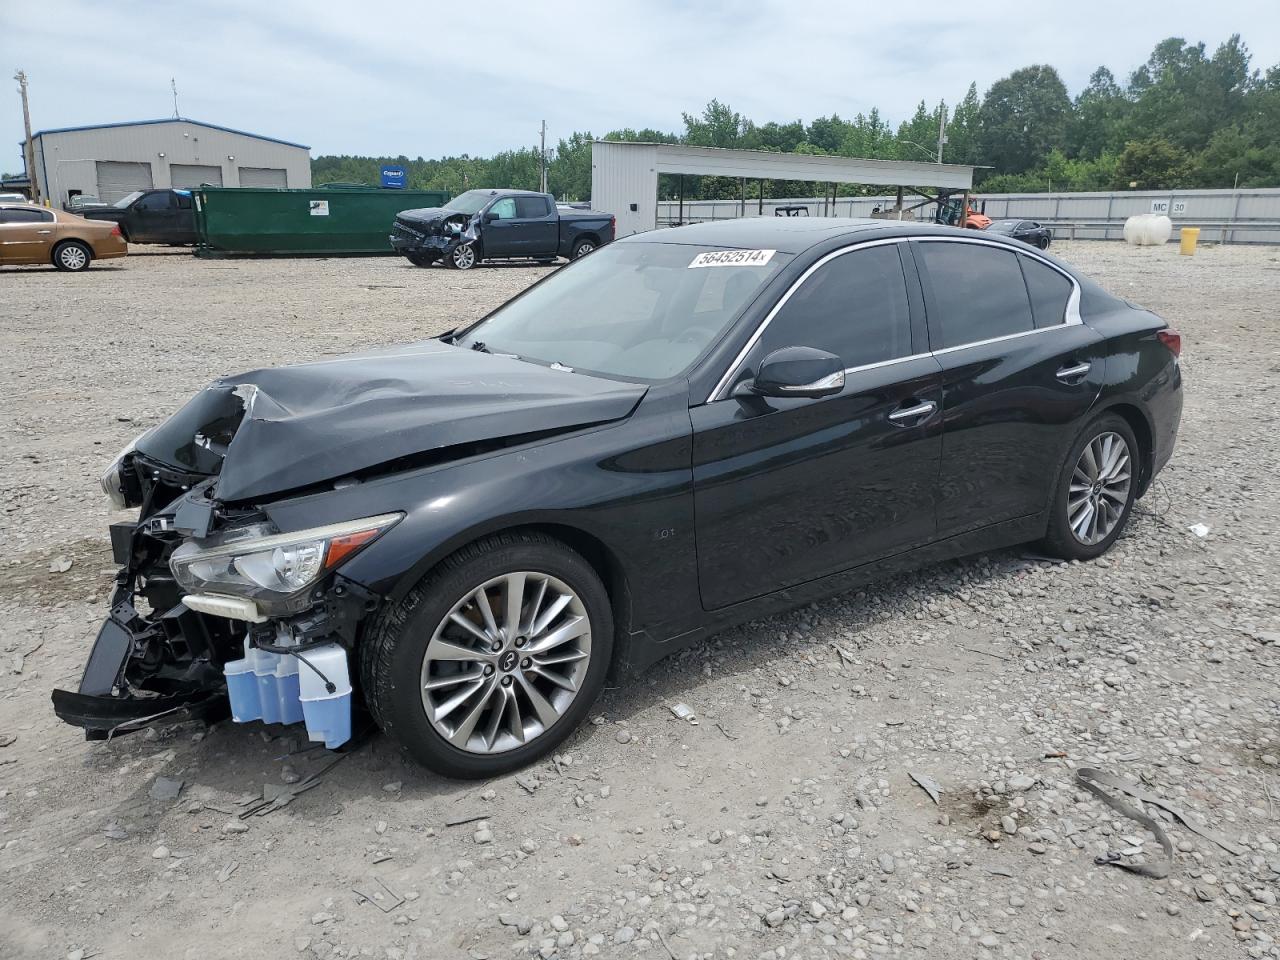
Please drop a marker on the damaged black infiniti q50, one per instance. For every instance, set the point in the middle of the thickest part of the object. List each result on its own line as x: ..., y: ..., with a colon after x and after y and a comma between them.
x: 687, y: 429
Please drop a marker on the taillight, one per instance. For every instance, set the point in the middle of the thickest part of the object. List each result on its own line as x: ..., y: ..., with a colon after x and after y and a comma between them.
x: 1171, y: 339
x: 115, y: 231
x: 613, y: 225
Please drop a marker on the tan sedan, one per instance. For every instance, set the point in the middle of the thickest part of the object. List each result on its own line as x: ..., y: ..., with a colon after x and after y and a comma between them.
x: 31, y: 234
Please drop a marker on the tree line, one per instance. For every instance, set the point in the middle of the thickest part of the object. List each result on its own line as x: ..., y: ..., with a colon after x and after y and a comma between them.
x: 1184, y: 118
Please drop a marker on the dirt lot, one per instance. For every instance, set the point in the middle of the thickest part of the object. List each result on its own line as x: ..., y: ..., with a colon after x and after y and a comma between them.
x: 785, y: 823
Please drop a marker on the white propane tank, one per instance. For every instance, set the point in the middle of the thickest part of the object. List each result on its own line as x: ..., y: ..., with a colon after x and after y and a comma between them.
x: 1148, y: 230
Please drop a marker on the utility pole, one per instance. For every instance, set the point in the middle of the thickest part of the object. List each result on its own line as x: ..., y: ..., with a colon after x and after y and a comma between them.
x: 29, y: 151
x: 542, y: 159
x: 942, y: 127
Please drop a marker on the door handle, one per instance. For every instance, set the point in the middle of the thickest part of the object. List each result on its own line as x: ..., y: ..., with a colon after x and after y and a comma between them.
x: 1068, y: 374
x: 917, y: 412
x: 44, y: 231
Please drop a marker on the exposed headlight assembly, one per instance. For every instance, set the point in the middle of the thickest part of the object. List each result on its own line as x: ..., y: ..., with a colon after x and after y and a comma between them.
x: 113, y: 480
x: 273, y: 569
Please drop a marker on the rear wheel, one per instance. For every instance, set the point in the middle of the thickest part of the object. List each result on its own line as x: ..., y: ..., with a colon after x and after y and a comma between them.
x: 582, y: 248
x: 463, y: 257
x: 1043, y: 243
x: 72, y: 255
x: 1095, y: 491
x: 493, y: 659
x: 420, y: 259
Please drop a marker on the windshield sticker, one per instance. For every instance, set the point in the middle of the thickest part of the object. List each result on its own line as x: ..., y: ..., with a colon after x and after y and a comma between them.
x: 732, y: 258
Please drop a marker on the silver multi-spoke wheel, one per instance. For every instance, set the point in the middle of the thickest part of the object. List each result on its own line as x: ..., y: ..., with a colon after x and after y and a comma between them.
x: 464, y: 257
x: 1099, y: 488
x: 506, y: 662
x: 583, y: 249
x: 73, y: 257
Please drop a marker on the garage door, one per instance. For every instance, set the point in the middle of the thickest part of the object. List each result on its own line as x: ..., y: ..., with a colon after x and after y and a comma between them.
x: 117, y: 179
x: 263, y: 177
x: 193, y: 175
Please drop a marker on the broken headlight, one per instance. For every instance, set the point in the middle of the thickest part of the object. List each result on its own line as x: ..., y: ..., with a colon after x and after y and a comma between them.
x: 114, y: 482
x: 273, y: 569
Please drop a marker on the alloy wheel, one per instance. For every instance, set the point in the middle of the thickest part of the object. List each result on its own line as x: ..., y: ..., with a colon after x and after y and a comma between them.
x: 1099, y: 488
x: 72, y: 257
x: 464, y: 257
x: 506, y: 662
x: 584, y: 249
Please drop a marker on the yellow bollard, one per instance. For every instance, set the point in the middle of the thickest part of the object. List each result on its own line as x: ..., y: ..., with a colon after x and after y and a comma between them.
x: 1190, y: 237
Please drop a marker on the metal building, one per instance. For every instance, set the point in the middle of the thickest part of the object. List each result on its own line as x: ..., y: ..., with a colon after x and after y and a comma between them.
x: 624, y: 174
x: 112, y: 160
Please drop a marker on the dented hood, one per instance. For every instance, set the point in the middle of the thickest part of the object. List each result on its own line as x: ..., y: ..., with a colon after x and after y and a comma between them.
x: 273, y: 430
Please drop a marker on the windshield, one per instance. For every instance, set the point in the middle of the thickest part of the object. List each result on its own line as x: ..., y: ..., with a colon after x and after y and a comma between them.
x: 637, y: 310
x: 125, y: 201
x: 469, y: 202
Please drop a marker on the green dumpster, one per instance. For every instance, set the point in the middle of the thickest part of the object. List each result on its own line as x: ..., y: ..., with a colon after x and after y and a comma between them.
x: 321, y: 221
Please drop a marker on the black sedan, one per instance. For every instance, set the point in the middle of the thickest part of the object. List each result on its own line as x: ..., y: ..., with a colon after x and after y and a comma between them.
x: 1028, y: 231
x: 685, y: 430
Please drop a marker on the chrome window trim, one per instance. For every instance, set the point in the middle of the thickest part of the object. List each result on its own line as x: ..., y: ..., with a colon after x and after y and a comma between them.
x: 1071, y: 315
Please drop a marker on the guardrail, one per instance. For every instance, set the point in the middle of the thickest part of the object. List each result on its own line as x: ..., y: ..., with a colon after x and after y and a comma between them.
x: 1211, y: 231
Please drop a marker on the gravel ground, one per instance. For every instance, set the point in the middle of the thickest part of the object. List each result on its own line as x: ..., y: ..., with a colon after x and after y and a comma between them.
x: 785, y: 822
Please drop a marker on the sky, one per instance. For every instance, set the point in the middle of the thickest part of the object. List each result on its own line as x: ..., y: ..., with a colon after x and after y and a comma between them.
x: 434, y: 79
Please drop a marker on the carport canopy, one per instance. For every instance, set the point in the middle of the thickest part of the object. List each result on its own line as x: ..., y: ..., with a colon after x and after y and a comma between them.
x: 624, y: 174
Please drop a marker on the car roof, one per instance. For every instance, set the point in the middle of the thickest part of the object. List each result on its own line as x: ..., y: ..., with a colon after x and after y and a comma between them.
x: 790, y: 234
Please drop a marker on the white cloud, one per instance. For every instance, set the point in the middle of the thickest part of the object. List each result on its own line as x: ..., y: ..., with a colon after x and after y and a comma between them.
x: 433, y: 79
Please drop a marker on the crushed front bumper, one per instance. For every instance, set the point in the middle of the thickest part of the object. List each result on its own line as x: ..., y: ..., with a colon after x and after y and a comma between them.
x: 108, y: 703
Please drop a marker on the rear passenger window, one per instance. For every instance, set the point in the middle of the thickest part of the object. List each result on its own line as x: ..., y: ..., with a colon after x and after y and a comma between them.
x: 977, y: 290
x: 1049, y: 291
x: 528, y: 208
x: 854, y: 306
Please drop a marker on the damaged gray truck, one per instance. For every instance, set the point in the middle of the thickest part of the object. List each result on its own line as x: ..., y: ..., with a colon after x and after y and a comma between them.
x: 498, y: 225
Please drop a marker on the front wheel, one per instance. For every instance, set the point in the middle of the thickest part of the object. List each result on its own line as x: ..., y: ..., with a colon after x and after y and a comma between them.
x: 1095, y: 491
x: 493, y: 659
x: 420, y: 259
x: 463, y: 257
x: 581, y: 249
x: 72, y: 255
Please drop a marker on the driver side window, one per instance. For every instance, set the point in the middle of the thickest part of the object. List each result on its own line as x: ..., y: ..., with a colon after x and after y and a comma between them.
x: 504, y: 209
x: 854, y: 306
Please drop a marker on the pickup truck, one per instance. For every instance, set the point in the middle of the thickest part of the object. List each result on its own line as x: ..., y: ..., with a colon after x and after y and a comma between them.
x: 151, y: 216
x: 498, y: 225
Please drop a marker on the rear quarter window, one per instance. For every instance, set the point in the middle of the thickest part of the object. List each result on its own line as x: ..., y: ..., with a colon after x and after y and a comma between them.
x: 1049, y: 290
x: 978, y: 293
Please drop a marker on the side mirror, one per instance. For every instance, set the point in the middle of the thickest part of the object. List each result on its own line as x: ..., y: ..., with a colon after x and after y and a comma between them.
x: 796, y: 372
x: 490, y: 216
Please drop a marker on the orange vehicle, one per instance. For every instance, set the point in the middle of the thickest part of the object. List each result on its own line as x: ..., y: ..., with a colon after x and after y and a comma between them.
x: 32, y: 234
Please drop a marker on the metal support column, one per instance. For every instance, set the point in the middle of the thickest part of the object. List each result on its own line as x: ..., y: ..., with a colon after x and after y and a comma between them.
x: 680, y: 222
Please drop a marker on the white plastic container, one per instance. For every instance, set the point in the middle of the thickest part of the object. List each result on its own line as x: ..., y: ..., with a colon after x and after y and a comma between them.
x: 328, y: 714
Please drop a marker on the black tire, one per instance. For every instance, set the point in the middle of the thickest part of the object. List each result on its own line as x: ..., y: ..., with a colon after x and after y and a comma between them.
x: 391, y: 655
x: 1043, y: 243
x: 465, y: 256
x: 1060, y: 540
x: 72, y: 256
x: 582, y: 247
x: 420, y: 259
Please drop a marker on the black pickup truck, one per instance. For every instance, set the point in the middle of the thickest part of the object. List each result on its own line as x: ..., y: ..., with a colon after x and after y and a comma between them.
x: 151, y: 216
x: 498, y: 225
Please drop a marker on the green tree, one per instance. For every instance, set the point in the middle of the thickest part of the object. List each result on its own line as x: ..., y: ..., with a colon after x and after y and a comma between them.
x: 1098, y: 121
x: 963, y: 130
x: 1023, y: 117
x: 1153, y: 164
